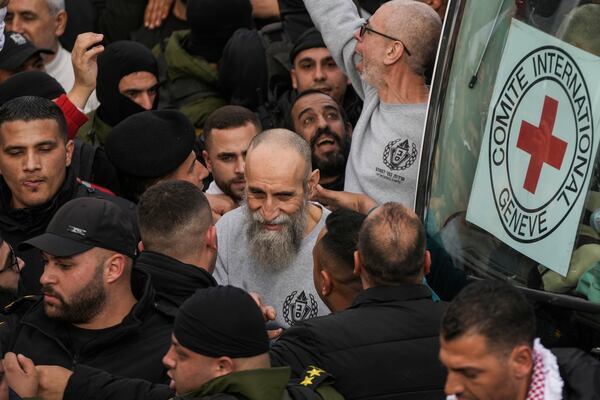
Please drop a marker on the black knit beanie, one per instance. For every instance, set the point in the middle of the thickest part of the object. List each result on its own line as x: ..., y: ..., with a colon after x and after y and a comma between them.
x: 308, y: 40
x: 150, y: 144
x: 221, y: 321
x: 30, y: 83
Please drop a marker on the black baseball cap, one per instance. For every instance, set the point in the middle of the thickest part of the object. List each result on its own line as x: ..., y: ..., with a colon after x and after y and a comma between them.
x: 84, y: 223
x: 17, y: 49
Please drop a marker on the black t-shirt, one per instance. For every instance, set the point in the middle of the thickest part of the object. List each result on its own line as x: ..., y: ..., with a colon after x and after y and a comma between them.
x: 80, y: 338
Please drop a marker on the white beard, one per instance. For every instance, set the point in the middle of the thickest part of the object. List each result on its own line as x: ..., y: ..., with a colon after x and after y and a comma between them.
x: 2, y: 24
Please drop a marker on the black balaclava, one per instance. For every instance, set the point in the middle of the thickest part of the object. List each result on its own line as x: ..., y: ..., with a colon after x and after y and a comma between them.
x: 30, y: 83
x: 118, y: 60
x: 212, y: 22
x: 221, y: 321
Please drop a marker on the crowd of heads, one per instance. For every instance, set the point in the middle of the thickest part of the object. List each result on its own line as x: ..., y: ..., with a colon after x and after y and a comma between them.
x: 161, y: 159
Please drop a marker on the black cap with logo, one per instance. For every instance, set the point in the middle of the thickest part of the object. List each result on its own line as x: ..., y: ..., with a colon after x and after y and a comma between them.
x: 17, y: 49
x: 84, y: 223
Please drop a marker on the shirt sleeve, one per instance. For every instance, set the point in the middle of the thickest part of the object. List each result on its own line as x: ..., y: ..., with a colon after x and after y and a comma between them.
x: 337, y: 20
x: 75, y: 118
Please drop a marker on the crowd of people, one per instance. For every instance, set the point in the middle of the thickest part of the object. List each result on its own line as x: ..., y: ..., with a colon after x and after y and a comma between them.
x: 214, y: 199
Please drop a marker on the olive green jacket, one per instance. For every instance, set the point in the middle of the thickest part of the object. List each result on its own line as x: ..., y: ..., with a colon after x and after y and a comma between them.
x: 94, y: 131
x: 188, y: 83
x: 256, y: 384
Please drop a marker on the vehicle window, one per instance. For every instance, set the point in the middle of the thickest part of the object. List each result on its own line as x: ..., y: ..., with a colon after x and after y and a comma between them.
x: 463, y: 109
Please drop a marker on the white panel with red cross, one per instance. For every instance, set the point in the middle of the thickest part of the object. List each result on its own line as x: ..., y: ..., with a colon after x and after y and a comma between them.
x: 539, y: 146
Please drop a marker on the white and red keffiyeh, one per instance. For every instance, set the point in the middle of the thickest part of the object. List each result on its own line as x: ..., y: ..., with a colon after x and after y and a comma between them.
x: 536, y: 388
x: 546, y: 382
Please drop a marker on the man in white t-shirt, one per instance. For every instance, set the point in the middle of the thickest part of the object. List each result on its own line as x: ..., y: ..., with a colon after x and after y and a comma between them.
x: 43, y: 22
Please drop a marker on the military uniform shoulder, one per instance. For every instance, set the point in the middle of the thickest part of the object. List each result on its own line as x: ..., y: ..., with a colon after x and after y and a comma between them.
x: 314, y: 383
x: 21, y: 305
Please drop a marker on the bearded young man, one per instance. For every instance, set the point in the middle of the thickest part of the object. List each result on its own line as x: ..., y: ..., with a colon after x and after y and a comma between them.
x: 321, y: 121
x: 265, y: 246
x: 96, y: 309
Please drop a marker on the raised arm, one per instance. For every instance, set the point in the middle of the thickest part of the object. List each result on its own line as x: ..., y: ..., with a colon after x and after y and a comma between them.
x: 338, y: 20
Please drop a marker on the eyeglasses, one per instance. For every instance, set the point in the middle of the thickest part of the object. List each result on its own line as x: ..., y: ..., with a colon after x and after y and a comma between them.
x: 365, y: 27
x: 12, y: 262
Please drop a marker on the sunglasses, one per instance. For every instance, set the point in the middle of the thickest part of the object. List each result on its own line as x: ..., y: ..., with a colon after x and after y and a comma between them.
x: 11, y: 261
x: 365, y: 27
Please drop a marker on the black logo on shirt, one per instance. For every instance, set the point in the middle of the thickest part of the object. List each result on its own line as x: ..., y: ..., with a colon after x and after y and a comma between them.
x: 400, y: 154
x: 299, y: 308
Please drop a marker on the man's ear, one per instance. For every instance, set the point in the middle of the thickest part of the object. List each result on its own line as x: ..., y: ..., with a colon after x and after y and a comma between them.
x: 69, y: 154
x: 224, y: 366
x: 61, y: 23
x: 357, y: 264
x: 326, y: 283
x: 210, y: 238
x: 115, y: 267
x: 349, y: 129
x: 521, y: 361
x: 294, y: 78
x: 313, y: 181
x: 207, y: 160
x: 393, y: 53
x: 427, y: 262
x: 140, y: 246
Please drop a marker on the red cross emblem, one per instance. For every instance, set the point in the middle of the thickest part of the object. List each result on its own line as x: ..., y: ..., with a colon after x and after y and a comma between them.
x: 541, y: 145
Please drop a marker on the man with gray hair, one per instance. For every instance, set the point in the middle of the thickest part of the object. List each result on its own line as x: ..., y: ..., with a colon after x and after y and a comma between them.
x: 385, y: 57
x: 265, y: 246
x: 42, y: 22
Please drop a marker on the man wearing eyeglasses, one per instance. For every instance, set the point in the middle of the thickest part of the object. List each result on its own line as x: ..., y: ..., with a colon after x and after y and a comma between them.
x: 10, y: 268
x: 385, y: 57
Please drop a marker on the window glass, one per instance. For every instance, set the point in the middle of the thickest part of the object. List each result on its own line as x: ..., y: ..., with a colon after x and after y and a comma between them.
x: 483, y: 32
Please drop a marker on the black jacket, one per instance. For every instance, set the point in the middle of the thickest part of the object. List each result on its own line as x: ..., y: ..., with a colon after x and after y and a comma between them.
x: 385, y: 346
x: 17, y: 225
x: 172, y: 280
x: 133, y: 348
x: 580, y: 372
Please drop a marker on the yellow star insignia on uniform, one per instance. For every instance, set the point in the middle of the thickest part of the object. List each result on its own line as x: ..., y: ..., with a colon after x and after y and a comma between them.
x: 307, y: 381
x: 314, y: 371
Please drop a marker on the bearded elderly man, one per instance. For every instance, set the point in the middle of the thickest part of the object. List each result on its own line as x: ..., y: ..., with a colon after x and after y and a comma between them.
x: 265, y: 246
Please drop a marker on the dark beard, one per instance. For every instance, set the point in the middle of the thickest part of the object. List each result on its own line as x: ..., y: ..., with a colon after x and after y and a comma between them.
x: 85, y: 304
x: 273, y: 249
x: 334, y: 164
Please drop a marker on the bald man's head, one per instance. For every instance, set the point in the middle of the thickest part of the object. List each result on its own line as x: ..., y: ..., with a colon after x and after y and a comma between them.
x: 391, y: 245
x: 418, y: 26
x: 280, y: 143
